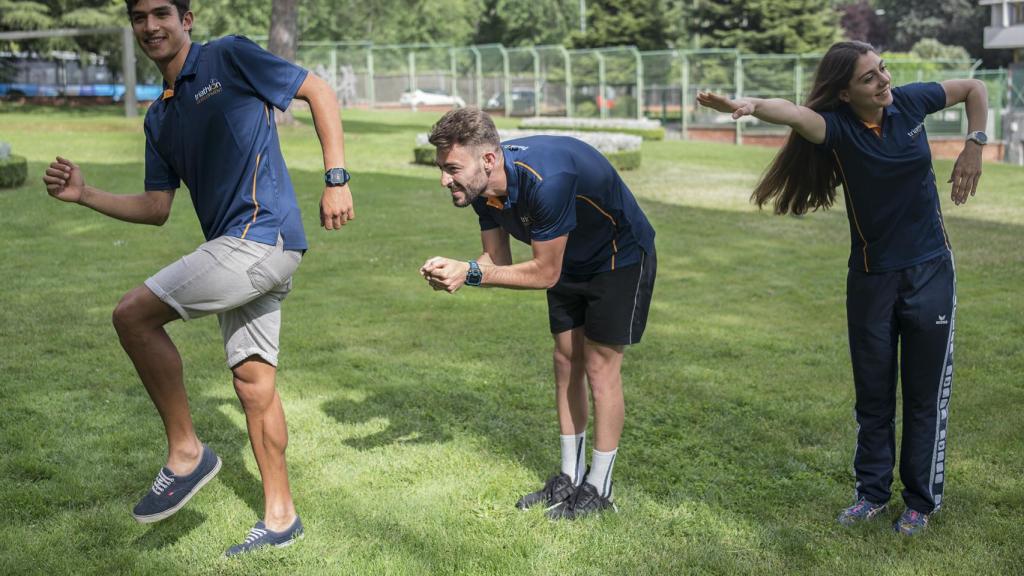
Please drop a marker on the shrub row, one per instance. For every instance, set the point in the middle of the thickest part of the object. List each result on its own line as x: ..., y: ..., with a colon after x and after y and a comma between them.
x: 13, y: 171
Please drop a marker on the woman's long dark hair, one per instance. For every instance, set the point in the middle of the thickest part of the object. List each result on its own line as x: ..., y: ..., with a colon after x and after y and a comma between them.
x: 802, y: 176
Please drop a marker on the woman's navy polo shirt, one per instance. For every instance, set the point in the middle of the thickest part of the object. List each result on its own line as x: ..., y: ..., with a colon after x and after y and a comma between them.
x: 215, y: 131
x: 891, y: 198
x: 558, y: 185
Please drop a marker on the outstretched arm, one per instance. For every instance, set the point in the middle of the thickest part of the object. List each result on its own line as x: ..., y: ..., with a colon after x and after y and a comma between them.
x: 967, y: 169
x: 64, y: 181
x: 336, y: 207
x: 803, y: 120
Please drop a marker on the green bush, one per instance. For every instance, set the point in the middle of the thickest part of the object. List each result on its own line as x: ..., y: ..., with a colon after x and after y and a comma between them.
x: 623, y: 160
x: 13, y: 171
x: 424, y: 155
x: 586, y: 109
x: 645, y: 133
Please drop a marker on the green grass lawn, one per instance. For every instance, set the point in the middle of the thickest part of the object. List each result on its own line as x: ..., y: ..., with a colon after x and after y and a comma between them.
x: 418, y: 418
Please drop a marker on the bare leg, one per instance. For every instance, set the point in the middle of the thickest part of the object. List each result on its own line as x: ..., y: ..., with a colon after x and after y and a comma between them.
x: 570, y: 388
x: 604, y: 373
x: 139, y: 320
x: 264, y: 415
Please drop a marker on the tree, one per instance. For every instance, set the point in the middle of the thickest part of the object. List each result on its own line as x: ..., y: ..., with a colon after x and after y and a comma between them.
x: 646, y: 24
x: 514, y: 23
x: 954, y: 22
x: 860, y: 21
x: 766, y: 26
x: 283, y: 41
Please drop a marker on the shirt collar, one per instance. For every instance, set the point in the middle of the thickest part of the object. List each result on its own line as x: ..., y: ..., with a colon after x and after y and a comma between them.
x: 511, y: 180
x: 188, y: 69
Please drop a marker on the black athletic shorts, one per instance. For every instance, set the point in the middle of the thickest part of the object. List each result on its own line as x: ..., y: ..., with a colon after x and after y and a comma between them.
x: 611, y: 306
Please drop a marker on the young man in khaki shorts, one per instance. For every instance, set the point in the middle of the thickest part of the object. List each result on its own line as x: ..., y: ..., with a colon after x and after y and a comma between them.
x: 214, y: 129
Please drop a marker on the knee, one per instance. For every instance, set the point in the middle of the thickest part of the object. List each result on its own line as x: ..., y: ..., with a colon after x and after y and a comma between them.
x: 126, y: 316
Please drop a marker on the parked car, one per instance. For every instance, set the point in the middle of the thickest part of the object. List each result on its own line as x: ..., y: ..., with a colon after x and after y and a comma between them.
x: 523, y: 101
x: 421, y: 97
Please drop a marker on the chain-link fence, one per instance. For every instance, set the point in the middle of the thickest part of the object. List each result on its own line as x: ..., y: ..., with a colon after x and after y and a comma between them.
x: 614, y: 82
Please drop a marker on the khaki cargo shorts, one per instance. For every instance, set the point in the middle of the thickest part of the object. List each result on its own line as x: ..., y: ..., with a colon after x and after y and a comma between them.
x: 242, y: 282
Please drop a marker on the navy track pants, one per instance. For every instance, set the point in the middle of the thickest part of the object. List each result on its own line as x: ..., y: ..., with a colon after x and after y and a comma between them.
x: 901, y: 323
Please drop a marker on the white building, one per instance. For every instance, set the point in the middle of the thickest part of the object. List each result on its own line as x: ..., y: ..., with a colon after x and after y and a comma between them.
x: 1007, y: 27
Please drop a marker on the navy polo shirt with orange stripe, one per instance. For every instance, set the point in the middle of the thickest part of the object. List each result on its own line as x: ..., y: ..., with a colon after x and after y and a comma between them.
x: 215, y: 131
x: 891, y: 197
x: 559, y: 185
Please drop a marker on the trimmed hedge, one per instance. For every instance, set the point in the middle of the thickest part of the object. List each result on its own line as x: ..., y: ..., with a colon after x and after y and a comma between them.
x: 645, y: 133
x: 13, y: 171
x: 623, y: 160
x: 425, y: 154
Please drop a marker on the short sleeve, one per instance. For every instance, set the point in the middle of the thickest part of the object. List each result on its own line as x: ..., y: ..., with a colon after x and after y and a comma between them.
x: 487, y: 222
x: 833, y: 130
x: 159, y: 174
x: 926, y: 97
x: 553, y: 207
x: 274, y: 79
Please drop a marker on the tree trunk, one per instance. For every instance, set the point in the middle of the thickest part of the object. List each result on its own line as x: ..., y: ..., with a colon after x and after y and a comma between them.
x: 283, y: 41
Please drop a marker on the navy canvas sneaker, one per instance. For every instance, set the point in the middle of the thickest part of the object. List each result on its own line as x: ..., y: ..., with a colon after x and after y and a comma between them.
x: 260, y: 536
x: 169, y: 492
x: 861, y: 511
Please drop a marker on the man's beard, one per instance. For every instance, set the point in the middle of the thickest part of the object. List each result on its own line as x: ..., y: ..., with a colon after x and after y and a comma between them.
x: 472, y: 191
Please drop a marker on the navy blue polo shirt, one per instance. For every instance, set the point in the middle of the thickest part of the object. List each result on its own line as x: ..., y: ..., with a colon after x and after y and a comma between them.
x: 891, y: 198
x: 559, y: 185
x: 214, y: 129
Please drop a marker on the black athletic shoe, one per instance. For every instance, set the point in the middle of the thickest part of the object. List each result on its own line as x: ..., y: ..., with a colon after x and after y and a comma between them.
x: 556, y: 491
x: 169, y: 492
x: 586, y: 501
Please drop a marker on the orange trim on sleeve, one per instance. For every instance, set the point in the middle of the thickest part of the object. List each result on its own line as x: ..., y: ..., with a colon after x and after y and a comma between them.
x: 527, y: 166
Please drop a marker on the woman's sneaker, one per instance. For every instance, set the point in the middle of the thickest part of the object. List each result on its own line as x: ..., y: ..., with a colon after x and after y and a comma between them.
x: 862, y: 511
x: 911, y: 523
x: 260, y: 536
x: 586, y: 501
x: 555, y: 493
x: 169, y: 492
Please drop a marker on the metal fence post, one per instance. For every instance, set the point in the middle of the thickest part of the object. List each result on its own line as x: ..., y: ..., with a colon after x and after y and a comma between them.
x: 536, y: 80
x: 506, y: 81
x: 131, y: 104
x: 684, y: 98
x: 568, y: 82
x: 798, y: 80
x: 455, y: 72
x: 602, y: 107
x: 371, y: 91
x: 738, y: 73
x: 478, y: 77
x: 639, y: 83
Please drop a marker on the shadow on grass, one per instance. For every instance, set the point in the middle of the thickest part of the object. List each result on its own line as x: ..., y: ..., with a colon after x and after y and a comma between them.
x: 231, y: 443
x: 168, y: 532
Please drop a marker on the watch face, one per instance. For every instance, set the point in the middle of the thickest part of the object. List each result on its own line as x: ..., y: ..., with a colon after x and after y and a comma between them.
x: 979, y: 137
x: 336, y: 177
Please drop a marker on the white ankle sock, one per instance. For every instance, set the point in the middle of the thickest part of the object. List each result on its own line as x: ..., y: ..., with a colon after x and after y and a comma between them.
x: 600, y: 475
x: 573, y: 456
